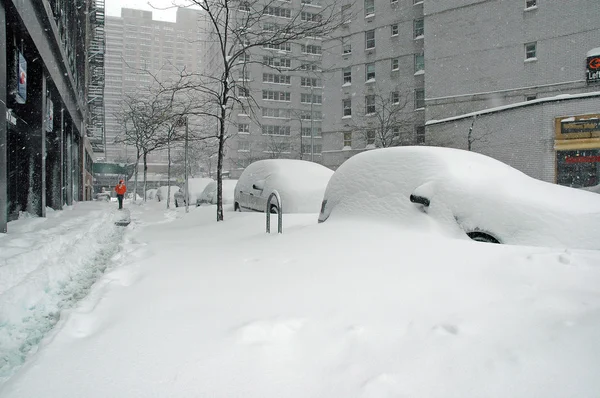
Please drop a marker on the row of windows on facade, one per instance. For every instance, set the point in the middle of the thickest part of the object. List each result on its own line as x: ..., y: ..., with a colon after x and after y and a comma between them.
x: 282, y: 12
x: 284, y: 96
x: 371, y: 107
x: 244, y: 128
x: 369, y: 6
x: 370, y: 139
x: 370, y: 69
x: 244, y: 75
x: 286, y: 63
x: 282, y: 113
x: 281, y: 147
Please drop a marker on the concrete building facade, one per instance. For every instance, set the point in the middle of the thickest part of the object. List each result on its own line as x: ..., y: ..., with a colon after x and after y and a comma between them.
x: 134, y: 43
x: 51, y: 66
x: 485, y: 54
x: 374, y: 79
x: 519, y: 81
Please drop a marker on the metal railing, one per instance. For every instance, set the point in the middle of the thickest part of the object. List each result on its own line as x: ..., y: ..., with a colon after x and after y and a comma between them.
x: 279, y: 207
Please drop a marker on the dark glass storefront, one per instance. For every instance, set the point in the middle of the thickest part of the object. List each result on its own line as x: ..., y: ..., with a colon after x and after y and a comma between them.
x: 578, y: 168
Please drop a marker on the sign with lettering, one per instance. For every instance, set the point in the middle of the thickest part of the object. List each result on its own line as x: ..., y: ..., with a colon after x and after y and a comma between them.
x: 580, y: 126
x: 21, y: 95
x: 593, y: 69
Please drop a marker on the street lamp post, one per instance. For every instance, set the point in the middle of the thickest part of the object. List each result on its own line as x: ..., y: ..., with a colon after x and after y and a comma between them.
x: 312, y: 130
x: 187, y: 190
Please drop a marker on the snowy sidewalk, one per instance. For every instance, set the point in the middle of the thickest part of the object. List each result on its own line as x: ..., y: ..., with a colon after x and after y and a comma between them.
x: 47, y: 265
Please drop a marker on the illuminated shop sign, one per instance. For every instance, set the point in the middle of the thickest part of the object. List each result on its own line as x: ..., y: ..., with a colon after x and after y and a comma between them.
x: 593, y: 69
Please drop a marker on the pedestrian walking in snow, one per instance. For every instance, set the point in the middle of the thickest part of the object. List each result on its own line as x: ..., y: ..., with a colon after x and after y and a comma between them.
x: 120, y: 189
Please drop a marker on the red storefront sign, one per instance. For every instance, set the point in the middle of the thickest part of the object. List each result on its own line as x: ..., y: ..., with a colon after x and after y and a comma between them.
x: 582, y: 159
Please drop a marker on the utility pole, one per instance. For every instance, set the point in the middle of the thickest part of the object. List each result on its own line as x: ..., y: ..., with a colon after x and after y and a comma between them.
x: 312, y: 130
x: 187, y: 190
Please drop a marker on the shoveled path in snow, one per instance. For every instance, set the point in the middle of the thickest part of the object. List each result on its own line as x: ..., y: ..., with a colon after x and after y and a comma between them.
x: 47, y: 265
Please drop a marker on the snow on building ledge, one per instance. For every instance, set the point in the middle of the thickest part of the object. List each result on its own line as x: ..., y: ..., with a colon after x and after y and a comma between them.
x: 562, y: 97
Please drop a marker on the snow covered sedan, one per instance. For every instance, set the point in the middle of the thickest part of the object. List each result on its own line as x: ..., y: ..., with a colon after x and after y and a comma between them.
x: 457, y: 193
x: 209, y: 195
x: 197, y: 186
x: 300, y: 184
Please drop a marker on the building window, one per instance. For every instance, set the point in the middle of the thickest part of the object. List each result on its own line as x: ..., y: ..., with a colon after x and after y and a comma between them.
x: 287, y: 47
x: 530, y: 97
x: 369, y: 104
x: 395, y: 64
x: 347, y: 73
x: 308, y: 98
x: 310, y: 82
x: 277, y: 79
x: 530, y: 4
x: 370, y: 71
x: 370, y: 137
x: 393, y: 1
x: 347, y: 107
x: 311, y: 49
x: 420, y: 133
x: 243, y: 128
x: 306, y: 131
x: 395, y: 97
x: 370, y: 39
x: 417, y: 1
x: 419, y: 28
x: 276, y: 95
x: 346, y: 48
x: 276, y: 113
x: 243, y: 146
x: 394, y: 29
x: 419, y: 98
x: 346, y: 13
x: 419, y: 63
x: 369, y: 7
x: 531, y: 51
x: 348, y: 140
x: 276, y: 130
x: 243, y: 92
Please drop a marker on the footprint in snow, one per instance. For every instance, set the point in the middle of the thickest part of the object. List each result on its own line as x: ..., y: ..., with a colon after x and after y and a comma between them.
x: 446, y: 329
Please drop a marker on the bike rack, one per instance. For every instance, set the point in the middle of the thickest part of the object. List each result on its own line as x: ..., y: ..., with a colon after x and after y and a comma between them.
x: 275, y: 195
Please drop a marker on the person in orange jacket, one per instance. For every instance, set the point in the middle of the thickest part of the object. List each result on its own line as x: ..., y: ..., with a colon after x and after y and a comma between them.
x: 120, y: 189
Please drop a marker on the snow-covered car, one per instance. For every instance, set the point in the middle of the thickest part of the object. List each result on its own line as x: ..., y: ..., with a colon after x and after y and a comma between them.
x: 209, y: 195
x: 103, y: 196
x: 151, y: 194
x: 300, y: 184
x: 458, y: 193
x: 161, y: 192
x: 196, y: 185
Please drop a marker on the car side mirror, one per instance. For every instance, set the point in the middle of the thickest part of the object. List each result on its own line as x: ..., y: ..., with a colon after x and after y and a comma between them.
x: 421, y: 200
x: 259, y: 185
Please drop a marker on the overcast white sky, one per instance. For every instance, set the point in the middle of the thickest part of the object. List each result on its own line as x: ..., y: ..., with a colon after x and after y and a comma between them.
x: 113, y: 7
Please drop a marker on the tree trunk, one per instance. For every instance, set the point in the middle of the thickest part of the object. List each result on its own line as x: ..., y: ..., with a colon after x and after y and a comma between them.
x: 135, y: 181
x: 220, y: 165
x: 145, y: 173
x: 169, y: 174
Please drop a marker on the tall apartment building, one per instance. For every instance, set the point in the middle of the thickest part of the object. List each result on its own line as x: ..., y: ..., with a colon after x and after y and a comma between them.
x: 374, y: 79
x: 286, y: 89
x: 136, y: 42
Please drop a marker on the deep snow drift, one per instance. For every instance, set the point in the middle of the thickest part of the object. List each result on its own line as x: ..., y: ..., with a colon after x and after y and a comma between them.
x: 47, y: 265
x: 341, y: 309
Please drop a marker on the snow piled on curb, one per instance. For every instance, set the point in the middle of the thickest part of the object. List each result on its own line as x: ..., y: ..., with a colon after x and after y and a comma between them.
x: 47, y: 265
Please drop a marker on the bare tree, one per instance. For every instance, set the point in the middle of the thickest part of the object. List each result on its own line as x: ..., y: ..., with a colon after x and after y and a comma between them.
x: 233, y: 29
x: 384, y: 118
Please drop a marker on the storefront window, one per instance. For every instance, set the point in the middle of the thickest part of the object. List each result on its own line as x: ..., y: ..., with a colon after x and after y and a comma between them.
x: 579, y: 168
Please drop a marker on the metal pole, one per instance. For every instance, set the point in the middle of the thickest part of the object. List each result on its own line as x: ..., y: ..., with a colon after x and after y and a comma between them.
x: 312, y: 130
x: 187, y: 191
x: 3, y: 125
